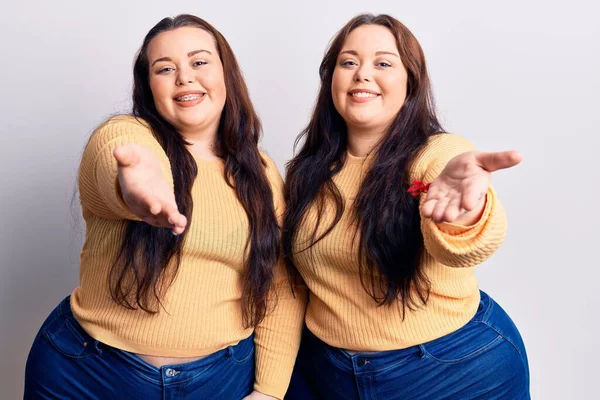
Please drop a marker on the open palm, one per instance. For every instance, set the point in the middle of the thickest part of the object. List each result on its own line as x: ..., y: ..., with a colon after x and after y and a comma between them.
x: 145, y: 190
x: 462, y: 185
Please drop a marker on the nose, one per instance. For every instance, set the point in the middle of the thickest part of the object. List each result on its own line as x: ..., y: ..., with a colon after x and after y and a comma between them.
x: 184, y: 77
x: 364, y: 73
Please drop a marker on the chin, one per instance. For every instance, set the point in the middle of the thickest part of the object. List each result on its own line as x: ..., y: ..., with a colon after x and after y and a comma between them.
x: 361, y: 121
x: 192, y: 120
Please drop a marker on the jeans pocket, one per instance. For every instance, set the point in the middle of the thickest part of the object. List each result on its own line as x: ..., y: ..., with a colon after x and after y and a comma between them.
x: 68, y: 337
x: 462, y: 345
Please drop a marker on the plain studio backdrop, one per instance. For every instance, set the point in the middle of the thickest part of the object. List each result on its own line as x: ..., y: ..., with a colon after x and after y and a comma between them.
x: 507, y: 75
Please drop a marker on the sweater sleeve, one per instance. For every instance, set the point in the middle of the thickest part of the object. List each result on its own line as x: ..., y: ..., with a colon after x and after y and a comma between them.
x: 450, y: 244
x: 98, y: 182
x: 277, y: 337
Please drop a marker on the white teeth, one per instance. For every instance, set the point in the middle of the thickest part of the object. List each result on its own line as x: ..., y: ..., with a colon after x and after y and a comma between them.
x: 363, y: 94
x: 189, y: 97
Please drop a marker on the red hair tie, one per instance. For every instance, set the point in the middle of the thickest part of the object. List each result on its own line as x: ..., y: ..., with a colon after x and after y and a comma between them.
x: 418, y: 187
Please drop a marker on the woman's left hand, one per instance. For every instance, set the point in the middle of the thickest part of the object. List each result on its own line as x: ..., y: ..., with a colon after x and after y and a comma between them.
x: 457, y: 195
x: 259, y: 396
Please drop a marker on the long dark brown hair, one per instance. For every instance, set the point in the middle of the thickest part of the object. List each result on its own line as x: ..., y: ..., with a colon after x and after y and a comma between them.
x: 149, y: 257
x: 386, y: 216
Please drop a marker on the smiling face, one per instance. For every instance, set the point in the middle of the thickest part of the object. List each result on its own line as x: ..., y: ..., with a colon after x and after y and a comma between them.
x: 186, y: 78
x: 369, y: 80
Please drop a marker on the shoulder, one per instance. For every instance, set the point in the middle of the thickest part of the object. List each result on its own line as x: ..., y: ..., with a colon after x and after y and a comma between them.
x: 121, y: 129
x: 438, y: 150
x: 127, y: 120
x: 276, y: 183
x: 271, y: 170
x: 122, y: 125
x: 445, y: 142
x: 118, y: 131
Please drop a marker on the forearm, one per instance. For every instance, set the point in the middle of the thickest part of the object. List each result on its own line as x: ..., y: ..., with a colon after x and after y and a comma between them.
x: 277, y: 340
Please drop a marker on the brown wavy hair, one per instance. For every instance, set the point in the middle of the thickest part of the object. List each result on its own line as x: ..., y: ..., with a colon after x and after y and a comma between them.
x: 139, y: 275
x: 387, y: 217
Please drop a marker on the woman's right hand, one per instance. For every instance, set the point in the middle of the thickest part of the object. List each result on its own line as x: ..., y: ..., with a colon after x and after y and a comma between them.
x: 145, y: 190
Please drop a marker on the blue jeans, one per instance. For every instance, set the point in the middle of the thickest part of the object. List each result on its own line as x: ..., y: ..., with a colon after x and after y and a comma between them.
x: 66, y: 363
x: 485, y: 359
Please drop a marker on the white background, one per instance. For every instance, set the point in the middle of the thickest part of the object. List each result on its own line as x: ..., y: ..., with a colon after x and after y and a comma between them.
x: 507, y: 75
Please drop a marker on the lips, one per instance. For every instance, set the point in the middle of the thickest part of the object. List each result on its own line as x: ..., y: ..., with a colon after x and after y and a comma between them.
x: 362, y: 95
x: 189, y: 95
x: 363, y: 90
x: 189, y: 99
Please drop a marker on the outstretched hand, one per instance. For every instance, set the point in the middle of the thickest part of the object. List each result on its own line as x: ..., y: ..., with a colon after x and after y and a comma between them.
x: 457, y: 195
x: 145, y: 190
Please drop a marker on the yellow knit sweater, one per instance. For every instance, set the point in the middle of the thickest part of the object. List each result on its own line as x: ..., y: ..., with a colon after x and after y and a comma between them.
x: 202, y: 309
x: 343, y: 315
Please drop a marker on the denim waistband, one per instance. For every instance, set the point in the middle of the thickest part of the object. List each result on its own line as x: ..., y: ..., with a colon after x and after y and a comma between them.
x: 167, y: 374
x: 181, y: 373
x: 362, y: 362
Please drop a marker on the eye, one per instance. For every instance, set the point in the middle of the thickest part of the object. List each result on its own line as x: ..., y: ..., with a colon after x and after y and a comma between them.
x: 348, y: 63
x: 384, y: 64
x: 165, y: 70
x: 199, y: 63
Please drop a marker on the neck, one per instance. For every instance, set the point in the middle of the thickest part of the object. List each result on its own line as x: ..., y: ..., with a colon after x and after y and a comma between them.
x: 202, y: 142
x: 362, y: 141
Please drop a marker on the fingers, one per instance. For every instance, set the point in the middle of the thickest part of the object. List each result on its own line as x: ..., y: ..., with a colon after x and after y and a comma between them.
x: 453, y: 204
x: 453, y: 210
x: 443, y: 203
x: 433, y: 195
x: 440, y: 209
x: 154, y: 206
x: 127, y: 156
x: 495, y: 161
x: 174, y: 217
x: 161, y: 214
x: 460, y: 190
x: 437, y: 203
x: 144, y: 189
x: 428, y: 207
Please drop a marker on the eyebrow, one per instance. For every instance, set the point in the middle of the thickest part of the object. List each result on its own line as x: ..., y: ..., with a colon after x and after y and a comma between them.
x: 190, y: 54
x: 379, y: 53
